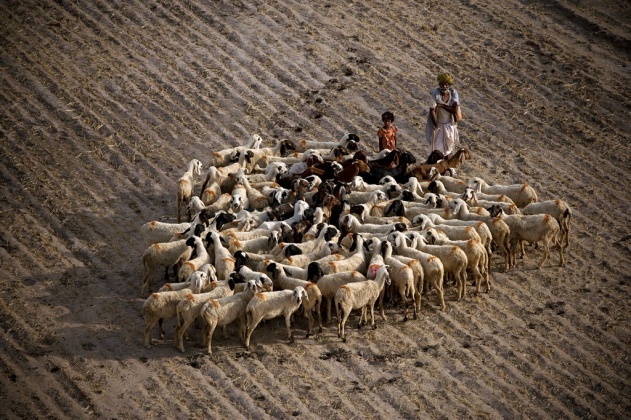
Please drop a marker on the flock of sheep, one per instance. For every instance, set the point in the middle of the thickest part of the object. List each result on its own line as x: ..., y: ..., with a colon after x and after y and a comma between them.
x: 281, y: 229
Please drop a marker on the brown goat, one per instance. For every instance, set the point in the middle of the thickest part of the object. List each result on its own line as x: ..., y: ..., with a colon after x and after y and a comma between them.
x: 351, y: 171
x: 422, y: 171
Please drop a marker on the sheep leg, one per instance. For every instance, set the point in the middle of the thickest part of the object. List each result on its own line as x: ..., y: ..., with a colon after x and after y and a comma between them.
x: 309, y: 316
x: 288, y: 325
x: 405, y: 303
x: 381, y: 295
x: 204, y: 334
x: 209, y: 337
x: 477, y: 274
x: 363, y: 319
x: 162, y: 332
x: 150, y: 323
x: 329, y: 302
x: 418, y: 293
x: 381, y: 311
x: 561, y: 258
x: 319, y: 314
x: 179, y: 334
x: 372, y: 316
x: 248, y: 332
x: 415, y: 313
x: 342, y: 316
x: 546, y: 252
x: 146, y: 281
x: 441, y: 295
x: 242, y: 329
x: 513, y: 252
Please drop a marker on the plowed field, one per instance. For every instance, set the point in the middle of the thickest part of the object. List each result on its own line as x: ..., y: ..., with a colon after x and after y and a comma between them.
x: 103, y: 104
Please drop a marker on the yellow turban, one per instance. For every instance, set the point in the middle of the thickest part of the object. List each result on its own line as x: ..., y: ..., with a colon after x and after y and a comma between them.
x: 445, y: 78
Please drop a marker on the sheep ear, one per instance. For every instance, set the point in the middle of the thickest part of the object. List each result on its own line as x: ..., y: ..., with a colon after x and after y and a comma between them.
x: 397, y: 240
x: 304, y: 293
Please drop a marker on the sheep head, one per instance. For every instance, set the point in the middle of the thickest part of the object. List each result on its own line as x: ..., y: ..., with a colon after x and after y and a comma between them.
x: 299, y: 293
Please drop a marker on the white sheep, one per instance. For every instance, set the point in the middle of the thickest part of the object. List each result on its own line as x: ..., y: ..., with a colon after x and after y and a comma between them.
x: 419, y: 277
x: 360, y: 295
x: 352, y: 224
x: 362, y: 197
x: 498, y: 227
x: 373, y: 246
x: 531, y: 228
x: 239, y: 224
x: 300, y: 206
x: 210, y: 194
x: 246, y: 162
x: 263, y: 155
x: 157, y: 232
x: 364, y: 216
x: 190, y: 308
x: 256, y: 199
x: 558, y: 209
x: 276, y: 195
x: 197, y: 227
x: 453, y: 258
x: 454, y: 232
x: 477, y: 257
x: 314, y: 301
x: 458, y: 229
x: 303, y: 145
x: 225, y: 156
x: 222, y: 312
x: 402, y: 276
x: 301, y: 260
x: 414, y: 186
x: 163, y: 305
x: 437, y: 187
x: 268, y: 305
x: 247, y: 274
x: 209, y: 269
x: 222, y: 203
x: 311, y: 272
x: 224, y: 260
x: 240, y: 199
x: 433, y: 269
x: 472, y: 198
x: 411, y: 209
x: 329, y: 283
x: 452, y: 184
x: 165, y: 254
x: 192, y: 265
x: 195, y: 205
x: 521, y: 194
x: 262, y: 244
x: 358, y: 184
x: 271, y: 172
x: 184, y: 186
x: 326, y: 233
x: 356, y: 261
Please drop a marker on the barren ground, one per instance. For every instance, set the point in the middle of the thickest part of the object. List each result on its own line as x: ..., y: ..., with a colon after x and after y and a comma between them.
x: 104, y: 103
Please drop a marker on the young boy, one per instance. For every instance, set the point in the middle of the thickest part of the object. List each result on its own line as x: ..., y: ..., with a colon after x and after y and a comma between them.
x: 388, y: 133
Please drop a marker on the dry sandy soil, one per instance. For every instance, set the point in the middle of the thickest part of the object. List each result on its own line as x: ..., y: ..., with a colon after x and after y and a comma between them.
x: 104, y: 103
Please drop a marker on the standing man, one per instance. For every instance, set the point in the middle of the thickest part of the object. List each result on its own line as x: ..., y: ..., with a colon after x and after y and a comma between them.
x: 441, y: 131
